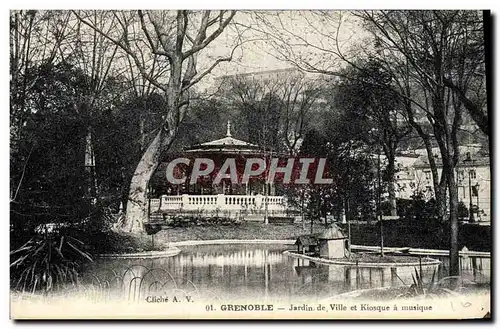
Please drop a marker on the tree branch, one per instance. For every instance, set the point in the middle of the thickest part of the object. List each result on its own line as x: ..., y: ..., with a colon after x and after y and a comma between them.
x: 127, y: 49
x: 202, y: 42
x: 474, y: 110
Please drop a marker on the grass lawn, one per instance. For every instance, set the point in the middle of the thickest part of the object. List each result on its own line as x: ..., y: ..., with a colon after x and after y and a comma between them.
x: 133, y: 242
x: 475, y: 238
x: 244, y: 231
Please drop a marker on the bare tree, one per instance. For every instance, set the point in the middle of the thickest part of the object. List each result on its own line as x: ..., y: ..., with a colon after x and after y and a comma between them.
x: 278, y: 106
x: 95, y: 57
x: 257, y: 99
x: 469, y: 83
x: 178, y: 38
x: 432, y: 44
x: 433, y: 56
x: 301, y: 96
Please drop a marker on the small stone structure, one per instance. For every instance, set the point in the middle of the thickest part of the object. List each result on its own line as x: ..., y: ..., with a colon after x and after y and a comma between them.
x: 332, y: 243
x: 306, y: 243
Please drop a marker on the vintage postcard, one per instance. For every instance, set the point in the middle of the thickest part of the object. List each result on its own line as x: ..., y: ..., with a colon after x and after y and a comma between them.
x: 250, y: 164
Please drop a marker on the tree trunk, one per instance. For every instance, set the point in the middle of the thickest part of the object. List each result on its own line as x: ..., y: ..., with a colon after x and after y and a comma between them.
x: 448, y: 146
x: 392, y: 200
x: 391, y: 189
x: 137, y: 211
x: 142, y: 133
x: 440, y: 196
x: 453, y: 202
x: 439, y: 183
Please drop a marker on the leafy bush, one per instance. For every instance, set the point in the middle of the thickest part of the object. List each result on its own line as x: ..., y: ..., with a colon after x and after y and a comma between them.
x: 46, y: 262
x: 186, y: 221
x: 447, y: 286
x: 416, y: 209
x: 463, y: 211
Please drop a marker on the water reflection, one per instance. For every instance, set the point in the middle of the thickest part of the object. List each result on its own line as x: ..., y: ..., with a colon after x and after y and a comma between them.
x: 233, y: 272
x: 475, y: 269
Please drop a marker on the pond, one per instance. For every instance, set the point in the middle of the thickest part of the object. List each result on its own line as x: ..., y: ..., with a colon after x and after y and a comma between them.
x: 251, y: 272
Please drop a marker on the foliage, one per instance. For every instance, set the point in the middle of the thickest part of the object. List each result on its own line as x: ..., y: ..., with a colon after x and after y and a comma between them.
x: 430, y: 234
x: 351, y: 170
x: 434, y: 288
x: 463, y: 211
x: 122, y: 132
x: 371, y: 115
x: 52, y: 140
x: 47, y: 170
x: 207, y: 120
x: 51, y: 186
x: 416, y: 209
x: 59, y: 99
x: 436, y: 61
x: 418, y: 287
x: 200, y: 220
x: 47, y: 262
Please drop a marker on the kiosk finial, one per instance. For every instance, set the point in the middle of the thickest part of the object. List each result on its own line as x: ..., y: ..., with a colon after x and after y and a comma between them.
x: 228, y: 133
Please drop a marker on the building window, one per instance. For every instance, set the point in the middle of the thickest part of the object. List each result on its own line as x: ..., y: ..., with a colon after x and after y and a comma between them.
x: 475, y: 190
x: 473, y: 174
x: 461, y: 175
x: 461, y: 190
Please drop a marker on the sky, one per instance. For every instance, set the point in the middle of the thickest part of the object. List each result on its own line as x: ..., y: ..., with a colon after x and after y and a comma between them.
x: 307, y: 35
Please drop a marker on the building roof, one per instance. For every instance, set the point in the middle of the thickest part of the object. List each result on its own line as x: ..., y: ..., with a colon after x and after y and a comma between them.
x: 332, y: 233
x: 484, y: 151
x: 307, y: 240
x: 479, y: 159
x: 227, y: 144
x: 228, y: 141
x: 261, y: 72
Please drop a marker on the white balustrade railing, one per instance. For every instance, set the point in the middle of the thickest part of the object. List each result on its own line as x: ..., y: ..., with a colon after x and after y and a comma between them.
x: 219, y: 202
x: 154, y: 205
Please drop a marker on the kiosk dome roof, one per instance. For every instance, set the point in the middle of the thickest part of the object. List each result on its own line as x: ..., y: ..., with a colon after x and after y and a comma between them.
x: 227, y: 144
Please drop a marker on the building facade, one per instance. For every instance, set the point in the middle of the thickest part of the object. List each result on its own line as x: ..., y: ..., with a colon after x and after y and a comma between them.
x: 473, y: 177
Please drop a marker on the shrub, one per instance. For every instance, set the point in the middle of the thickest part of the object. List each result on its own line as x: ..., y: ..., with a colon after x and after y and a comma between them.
x: 46, y: 262
x: 186, y: 221
x: 463, y: 211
